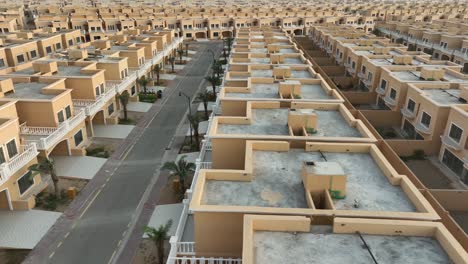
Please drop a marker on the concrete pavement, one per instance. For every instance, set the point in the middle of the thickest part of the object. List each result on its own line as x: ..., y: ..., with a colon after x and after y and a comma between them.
x: 95, y: 225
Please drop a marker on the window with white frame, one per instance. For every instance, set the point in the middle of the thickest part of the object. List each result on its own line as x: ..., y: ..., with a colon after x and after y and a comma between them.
x: 425, y: 119
x: 455, y: 133
x: 411, y: 105
x: 393, y: 93
x: 11, y: 148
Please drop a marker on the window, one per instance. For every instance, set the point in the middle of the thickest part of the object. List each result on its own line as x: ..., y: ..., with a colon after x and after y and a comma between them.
x: 133, y: 90
x: 425, y: 119
x: 392, y: 93
x: 11, y: 148
x: 70, y: 42
x: 363, y: 69
x: 369, y: 76
x: 383, y: 84
x: 48, y: 49
x: 102, y: 88
x: 455, y: 133
x: 411, y: 105
x: 33, y: 54
x: 68, y: 113
x: 77, y: 39
x: 2, y: 63
x: 452, y: 162
x: 110, y: 109
x: 78, y: 137
x: 353, y: 65
x: 97, y: 91
x: 20, y: 58
x: 25, y: 182
x: 60, y: 116
x: 2, y: 156
x: 58, y: 46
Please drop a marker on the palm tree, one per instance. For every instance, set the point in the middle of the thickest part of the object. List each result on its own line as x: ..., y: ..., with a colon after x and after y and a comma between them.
x: 204, y: 97
x: 181, y: 53
x: 159, y: 236
x: 195, y: 122
x: 124, y: 97
x: 229, y: 41
x: 186, y: 49
x: 172, y: 61
x: 214, y: 81
x: 47, y: 166
x: 157, y: 70
x: 143, y: 82
x: 182, y: 169
x: 225, y: 55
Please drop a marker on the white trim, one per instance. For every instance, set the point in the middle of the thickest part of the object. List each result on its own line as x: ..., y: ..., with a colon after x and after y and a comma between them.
x: 415, y: 105
x: 430, y: 121
x: 10, y: 205
x: 6, y: 148
x: 450, y: 129
x: 27, y: 190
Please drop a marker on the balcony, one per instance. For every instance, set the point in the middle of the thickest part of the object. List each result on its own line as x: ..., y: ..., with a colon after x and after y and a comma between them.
x: 91, y: 107
x: 389, y: 101
x: 422, y: 128
x: 450, y: 143
x: 361, y: 75
x: 47, y: 137
x: 407, y: 113
x: 351, y: 70
x: 7, y: 169
x: 458, y: 53
x: 380, y: 90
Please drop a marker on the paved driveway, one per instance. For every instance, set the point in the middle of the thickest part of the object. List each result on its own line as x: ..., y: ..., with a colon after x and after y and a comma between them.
x: 80, y: 167
x: 139, y: 106
x: 24, y: 229
x: 112, y: 131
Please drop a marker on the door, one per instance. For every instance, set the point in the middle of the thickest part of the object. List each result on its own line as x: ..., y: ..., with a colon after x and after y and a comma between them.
x: 5, y: 203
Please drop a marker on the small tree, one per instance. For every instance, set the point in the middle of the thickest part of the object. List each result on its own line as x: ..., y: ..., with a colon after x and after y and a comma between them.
x: 181, y: 54
x: 159, y: 236
x: 195, y: 122
x: 213, y: 80
x: 157, y: 70
x: 228, y: 42
x: 143, y: 82
x: 217, y: 68
x: 225, y: 55
x: 47, y: 166
x: 377, y: 32
x: 181, y: 169
x: 186, y: 49
x: 124, y: 98
x: 204, y: 97
x: 172, y: 61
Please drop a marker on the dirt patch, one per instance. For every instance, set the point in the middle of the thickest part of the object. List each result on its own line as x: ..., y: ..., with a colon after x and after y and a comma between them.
x: 46, y: 199
x: 429, y: 174
x: 147, y: 252
x: 13, y: 256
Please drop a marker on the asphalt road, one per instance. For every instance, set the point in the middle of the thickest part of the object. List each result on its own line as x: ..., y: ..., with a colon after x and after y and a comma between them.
x: 97, y: 234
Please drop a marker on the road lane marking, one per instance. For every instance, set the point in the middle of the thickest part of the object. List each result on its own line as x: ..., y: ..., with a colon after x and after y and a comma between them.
x: 52, y: 254
x: 112, y: 257
x: 90, y: 203
x: 102, y: 186
x: 66, y: 235
x: 128, y: 151
x: 59, y: 244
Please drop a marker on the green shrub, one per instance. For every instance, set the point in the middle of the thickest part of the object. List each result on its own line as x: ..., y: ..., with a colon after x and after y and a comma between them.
x: 148, y: 97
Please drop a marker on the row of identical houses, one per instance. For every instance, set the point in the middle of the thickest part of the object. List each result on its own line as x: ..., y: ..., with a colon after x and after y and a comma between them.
x: 199, y: 22
x: 54, y: 87
x: 444, y: 40
x: 287, y: 173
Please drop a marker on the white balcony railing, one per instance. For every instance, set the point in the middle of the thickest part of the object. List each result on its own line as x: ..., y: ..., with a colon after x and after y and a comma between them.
x: 185, y: 248
x: 380, y: 91
x: 49, y: 136
x: 361, y: 75
x: 389, y: 101
x: 202, y: 260
x: 451, y: 143
x: 8, y: 168
x: 407, y: 113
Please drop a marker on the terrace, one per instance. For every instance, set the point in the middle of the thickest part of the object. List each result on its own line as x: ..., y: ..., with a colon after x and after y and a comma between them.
x: 277, y: 182
x: 320, y: 121
x: 292, y: 239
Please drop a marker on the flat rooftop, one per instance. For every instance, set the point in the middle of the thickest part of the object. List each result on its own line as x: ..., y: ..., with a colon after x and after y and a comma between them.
x: 31, y: 90
x: 444, y: 96
x: 414, y: 75
x: 330, y: 123
x: 269, y: 73
x: 271, y: 90
x: 320, y: 245
x: 277, y: 182
x: 70, y: 71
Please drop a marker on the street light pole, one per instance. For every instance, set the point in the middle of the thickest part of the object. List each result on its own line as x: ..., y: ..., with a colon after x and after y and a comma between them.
x: 190, y: 114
